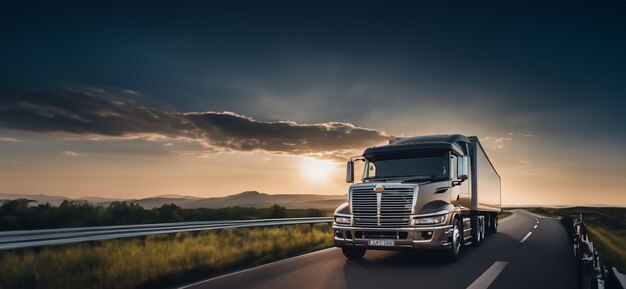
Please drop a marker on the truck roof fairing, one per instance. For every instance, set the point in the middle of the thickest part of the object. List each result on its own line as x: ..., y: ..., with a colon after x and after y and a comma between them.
x: 408, y: 148
x: 454, y: 142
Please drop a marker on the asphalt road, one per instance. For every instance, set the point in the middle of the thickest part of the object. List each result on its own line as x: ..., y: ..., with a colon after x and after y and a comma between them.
x: 511, y: 258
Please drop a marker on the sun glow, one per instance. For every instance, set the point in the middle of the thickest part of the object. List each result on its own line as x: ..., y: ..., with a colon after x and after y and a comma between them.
x: 316, y: 170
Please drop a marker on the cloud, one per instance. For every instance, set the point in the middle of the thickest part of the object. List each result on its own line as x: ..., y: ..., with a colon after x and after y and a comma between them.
x: 522, y: 134
x: 100, y: 115
x: 501, y: 142
x: 501, y: 139
x: 8, y: 139
x: 70, y: 154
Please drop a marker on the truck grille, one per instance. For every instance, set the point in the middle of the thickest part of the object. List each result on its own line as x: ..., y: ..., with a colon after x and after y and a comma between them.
x: 381, y: 235
x: 393, y: 210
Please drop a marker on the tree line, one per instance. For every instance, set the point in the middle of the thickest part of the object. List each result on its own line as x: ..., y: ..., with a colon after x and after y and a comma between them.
x: 22, y: 214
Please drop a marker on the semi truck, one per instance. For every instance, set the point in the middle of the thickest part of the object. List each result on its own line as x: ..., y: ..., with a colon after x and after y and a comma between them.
x: 437, y: 192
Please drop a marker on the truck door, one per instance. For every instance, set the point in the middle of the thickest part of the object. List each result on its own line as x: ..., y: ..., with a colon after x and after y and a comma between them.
x: 460, y: 194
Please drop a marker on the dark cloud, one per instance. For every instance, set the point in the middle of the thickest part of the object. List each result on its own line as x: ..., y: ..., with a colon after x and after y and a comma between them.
x: 100, y: 114
x: 549, y: 68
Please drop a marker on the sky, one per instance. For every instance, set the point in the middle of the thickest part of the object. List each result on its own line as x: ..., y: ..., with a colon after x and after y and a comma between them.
x: 212, y: 98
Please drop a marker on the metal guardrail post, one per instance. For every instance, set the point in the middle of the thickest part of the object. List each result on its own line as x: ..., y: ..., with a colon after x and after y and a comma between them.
x: 592, y: 274
x: 615, y: 279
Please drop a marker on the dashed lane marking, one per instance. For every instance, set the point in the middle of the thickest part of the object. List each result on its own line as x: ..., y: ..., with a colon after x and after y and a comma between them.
x: 488, y: 277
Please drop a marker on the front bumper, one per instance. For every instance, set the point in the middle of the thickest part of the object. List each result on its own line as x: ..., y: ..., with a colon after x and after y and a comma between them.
x: 422, y: 237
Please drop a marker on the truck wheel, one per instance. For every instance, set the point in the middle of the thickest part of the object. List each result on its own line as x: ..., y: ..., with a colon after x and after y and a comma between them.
x: 476, y: 232
x: 493, y: 228
x: 483, y: 230
x: 353, y: 253
x: 495, y: 223
x: 454, y: 252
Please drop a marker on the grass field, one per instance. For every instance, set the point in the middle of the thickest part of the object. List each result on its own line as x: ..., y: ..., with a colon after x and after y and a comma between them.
x: 606, y: 228
x: 504, y: 214
x: 156, y: 261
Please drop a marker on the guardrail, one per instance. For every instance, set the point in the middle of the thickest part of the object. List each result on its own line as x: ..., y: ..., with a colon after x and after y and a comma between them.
x: 49, y: 237
x: 592, y: 273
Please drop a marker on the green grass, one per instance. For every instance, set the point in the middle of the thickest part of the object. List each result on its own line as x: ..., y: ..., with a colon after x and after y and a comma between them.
x: 606, y: 228
x: 156, y: 261
x: 504, y: 214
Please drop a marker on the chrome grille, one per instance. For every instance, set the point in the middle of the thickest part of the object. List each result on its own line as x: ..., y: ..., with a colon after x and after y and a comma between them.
x: 394, y: 210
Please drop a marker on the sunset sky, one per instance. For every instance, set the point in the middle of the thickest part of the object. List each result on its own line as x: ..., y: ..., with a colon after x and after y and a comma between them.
x: 212, y: 98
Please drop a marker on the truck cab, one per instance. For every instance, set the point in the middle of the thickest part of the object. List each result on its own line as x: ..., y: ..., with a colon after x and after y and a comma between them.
x: 429, y: 192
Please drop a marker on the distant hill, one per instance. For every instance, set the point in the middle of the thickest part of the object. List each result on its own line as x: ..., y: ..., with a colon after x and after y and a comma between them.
x: 261, y: 200
x: 175, y: 196
x: 154, y: 202
x: 98, y: 200
x: 53, y: 200
x: 245, y: 199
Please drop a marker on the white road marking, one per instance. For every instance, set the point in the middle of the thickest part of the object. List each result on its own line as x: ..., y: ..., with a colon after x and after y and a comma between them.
x: 489, y: 276
x: 257, y: 267
x: 527, y: 235
x: 535, y: 227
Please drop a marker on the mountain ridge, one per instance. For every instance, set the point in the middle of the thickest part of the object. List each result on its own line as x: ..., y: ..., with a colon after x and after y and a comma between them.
x: 244, y: 199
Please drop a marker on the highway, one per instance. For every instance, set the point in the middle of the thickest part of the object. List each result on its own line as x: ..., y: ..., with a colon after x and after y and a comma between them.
x: 529, y: 251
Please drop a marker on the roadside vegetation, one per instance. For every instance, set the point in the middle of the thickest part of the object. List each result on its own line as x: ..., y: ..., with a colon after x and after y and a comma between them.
x: 606, y: 228
x: 504, y: 214
x: 20, y: 214
x: 157, y: 261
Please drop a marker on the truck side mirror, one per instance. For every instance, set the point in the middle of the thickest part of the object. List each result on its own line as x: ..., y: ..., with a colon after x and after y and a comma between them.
x: 462, y: 167
x: 350, y: 172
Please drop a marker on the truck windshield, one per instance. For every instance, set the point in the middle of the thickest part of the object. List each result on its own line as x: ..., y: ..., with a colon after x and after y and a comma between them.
x: 432, y: 165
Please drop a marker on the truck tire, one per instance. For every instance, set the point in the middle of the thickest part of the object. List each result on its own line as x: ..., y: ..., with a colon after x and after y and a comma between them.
x: 477, y: 236
x: 483, y: 230
x: 353, y: 253
x: 454, y: 253
x: 493, y: 224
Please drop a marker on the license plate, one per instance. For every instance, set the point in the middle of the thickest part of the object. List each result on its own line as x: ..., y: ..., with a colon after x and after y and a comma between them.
x: 385, y: 243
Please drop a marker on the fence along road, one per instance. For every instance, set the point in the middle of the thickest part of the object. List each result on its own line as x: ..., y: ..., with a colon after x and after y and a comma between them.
x: 48, y: 237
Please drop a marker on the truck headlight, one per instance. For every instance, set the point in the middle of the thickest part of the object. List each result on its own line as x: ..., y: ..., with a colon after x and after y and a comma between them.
x: 343, y: 220
x: 429, y: 220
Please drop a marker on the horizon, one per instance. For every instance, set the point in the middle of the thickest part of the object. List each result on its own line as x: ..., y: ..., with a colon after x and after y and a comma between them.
x: 172, y: 196
x: 193, y: 101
